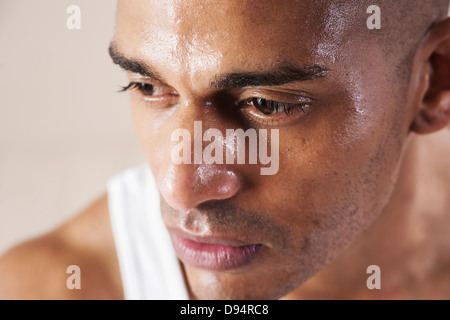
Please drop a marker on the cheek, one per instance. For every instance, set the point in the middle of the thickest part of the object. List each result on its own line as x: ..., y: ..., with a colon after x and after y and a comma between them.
x: 336, y: 175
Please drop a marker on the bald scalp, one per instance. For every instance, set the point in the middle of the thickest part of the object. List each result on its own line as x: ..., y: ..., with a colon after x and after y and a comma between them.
x: 408, y: 21
x: 404, y: 25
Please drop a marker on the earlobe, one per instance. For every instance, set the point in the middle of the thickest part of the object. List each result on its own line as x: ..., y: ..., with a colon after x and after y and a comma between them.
x: 434, y: 111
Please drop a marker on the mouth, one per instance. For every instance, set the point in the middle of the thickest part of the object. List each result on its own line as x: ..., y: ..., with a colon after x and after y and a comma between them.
x: 213, y: 253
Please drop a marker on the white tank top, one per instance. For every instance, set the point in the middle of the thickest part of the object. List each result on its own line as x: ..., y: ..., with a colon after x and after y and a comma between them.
x: 147, y: 260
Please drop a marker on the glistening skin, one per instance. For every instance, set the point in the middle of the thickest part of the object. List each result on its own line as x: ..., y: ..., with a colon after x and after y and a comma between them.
x: 363, y: 173
x: 230, y: 149
x: 344, y: 117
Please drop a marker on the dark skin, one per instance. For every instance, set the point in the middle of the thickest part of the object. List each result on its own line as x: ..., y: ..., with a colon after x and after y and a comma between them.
x: 358, y: 168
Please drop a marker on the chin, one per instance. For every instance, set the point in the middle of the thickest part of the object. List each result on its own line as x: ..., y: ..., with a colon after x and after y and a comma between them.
x: 207, y: 285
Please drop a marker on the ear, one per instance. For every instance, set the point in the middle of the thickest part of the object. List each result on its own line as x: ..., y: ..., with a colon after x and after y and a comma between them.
x: 433, y: 111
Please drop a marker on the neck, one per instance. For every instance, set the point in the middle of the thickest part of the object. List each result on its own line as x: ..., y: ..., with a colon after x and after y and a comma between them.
x: 406, y: 241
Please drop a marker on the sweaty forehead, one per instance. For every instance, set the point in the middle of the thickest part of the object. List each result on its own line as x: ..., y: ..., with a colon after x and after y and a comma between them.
x: 188, y: 36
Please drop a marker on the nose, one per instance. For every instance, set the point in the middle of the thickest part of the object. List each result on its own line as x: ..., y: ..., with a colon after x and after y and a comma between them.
x: 186, y: 186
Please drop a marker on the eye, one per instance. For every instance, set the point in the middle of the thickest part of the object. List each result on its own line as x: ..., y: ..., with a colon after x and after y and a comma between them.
x: 144, y: 88
x: 148, y: 90
x: 271, y: 107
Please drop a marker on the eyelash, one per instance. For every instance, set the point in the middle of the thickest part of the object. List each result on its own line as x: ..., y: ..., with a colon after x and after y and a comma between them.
x: 135, y: 86
x: 288, y: 108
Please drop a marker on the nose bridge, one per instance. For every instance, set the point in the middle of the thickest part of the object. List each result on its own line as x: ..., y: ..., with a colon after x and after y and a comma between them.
x: 198, y: 56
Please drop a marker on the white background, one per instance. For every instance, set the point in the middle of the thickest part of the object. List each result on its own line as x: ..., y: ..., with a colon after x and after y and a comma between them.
x: 64, y: 129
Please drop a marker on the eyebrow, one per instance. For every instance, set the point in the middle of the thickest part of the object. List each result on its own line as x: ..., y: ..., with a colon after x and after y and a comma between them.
x: 276, y: 76
x: 132, y: 65
x: 282, y: 74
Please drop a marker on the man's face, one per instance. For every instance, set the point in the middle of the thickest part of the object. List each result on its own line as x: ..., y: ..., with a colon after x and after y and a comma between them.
x: 338, y: 157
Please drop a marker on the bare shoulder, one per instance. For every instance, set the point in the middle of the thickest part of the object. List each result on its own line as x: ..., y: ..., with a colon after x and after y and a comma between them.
x: 38, y: 269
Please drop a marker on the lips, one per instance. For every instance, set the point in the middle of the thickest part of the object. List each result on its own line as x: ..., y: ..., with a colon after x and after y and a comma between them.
x: 211, y: 253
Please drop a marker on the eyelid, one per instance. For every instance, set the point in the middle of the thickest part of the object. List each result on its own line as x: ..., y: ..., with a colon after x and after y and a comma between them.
x: 277, y: 96
x: 136, y: 77
x: 165, y: 96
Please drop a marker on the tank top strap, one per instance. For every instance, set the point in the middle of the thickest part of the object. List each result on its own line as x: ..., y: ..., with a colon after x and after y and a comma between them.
x: 148, y: 264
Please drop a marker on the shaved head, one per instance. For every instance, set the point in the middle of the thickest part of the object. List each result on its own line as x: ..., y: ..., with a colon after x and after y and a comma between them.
x: 405, y: 23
